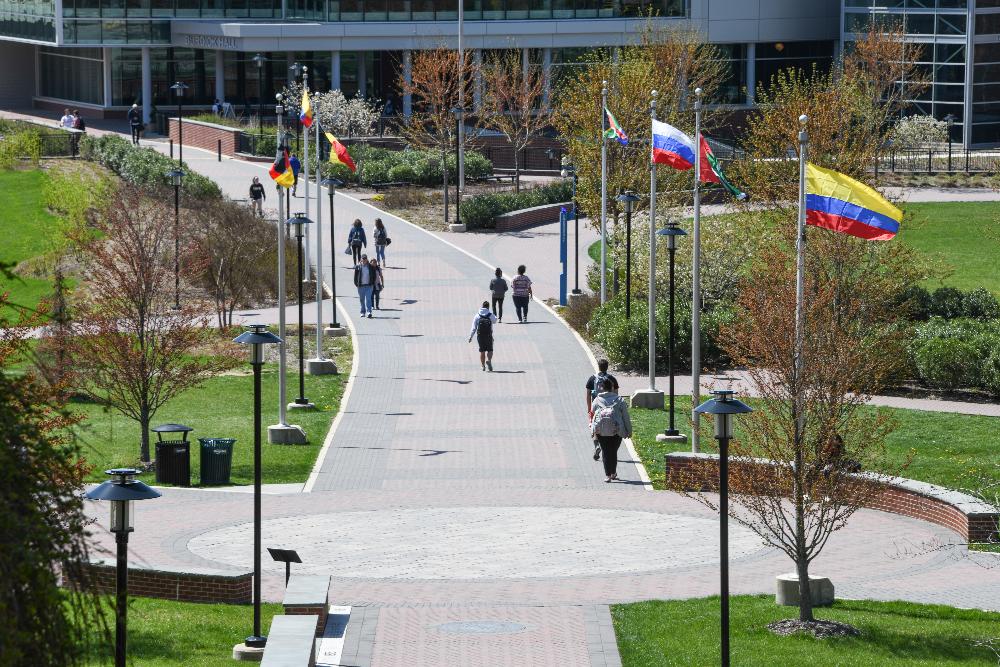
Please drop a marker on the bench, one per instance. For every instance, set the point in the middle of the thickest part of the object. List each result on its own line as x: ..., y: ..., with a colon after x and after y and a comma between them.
x: 308, y: 594
x: 291, y: 642
x: 496, y: 178
x: 390, y: 184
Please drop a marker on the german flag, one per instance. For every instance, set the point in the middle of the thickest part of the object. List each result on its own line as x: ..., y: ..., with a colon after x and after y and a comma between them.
x: 338, y: 153
x: 281, y: 170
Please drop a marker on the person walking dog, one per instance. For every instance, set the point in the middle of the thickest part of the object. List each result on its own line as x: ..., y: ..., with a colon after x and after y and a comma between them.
x: 610, y: 424
x: 482, y: 329
x: 381, y: 238
x: 356, y: 239
x: 521, y: 293
x: 364, y: 280
x: 498, y: 288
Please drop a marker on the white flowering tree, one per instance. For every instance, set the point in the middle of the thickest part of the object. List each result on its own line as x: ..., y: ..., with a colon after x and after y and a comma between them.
x: 919, y: 132
x: 349, y: 117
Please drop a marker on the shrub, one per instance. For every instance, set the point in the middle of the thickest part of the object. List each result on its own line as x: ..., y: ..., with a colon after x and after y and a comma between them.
x: 980, y: 304
x: 947, y: 363
x: 478, y: 212
x: 947, y: 302
x: 917, y: 301
x: 21, y: 144
x: 991, y: 372
x: 403, y: 172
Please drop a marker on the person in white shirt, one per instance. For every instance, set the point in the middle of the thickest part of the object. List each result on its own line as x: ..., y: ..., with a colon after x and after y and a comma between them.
x: 68, y: 120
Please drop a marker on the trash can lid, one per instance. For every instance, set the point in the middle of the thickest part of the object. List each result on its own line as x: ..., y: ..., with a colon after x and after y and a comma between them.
x: 171, y: 428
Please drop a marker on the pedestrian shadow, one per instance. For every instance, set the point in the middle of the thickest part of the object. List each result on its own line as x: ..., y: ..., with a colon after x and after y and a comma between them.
x: 381, y: 414
x: 427, y: 452
x: 632, y: 482
x: 407, y: 302
x: 376, y: 377
x: 535, y: 322
x: 390, y: 310
x: 509, y: 372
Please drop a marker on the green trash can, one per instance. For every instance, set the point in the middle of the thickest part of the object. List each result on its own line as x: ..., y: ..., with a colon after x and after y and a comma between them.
x: 216, y: 460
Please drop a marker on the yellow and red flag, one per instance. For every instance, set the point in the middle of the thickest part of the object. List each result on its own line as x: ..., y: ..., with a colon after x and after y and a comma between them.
x: 338, y: 153
x: 281, y: 170
x: 306, y: 115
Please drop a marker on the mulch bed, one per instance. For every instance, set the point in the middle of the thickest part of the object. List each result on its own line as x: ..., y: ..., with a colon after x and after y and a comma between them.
x: 818, y: 629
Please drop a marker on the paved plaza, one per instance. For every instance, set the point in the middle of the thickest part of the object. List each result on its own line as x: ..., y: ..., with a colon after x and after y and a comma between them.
x: 460, y: 513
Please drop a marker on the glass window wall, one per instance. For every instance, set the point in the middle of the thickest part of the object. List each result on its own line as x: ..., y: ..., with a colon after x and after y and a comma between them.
x: 75, y: 75
x: 28, y: 19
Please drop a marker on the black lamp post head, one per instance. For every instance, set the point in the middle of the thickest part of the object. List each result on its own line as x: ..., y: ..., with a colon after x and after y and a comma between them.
x: 628, y: 198
x: 179, y: 88
x: 175, y: 176
x: 296, y: 69
x: 671, y: 231
x: 259, y: 60
x: 723, y: 406
x: 121, y: 491
x: 256, y: 336
x: 298, y: 220
x: 332, y: 183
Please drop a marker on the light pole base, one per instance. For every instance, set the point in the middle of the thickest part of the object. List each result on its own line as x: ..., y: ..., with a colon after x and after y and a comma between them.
x: 663, y: 437
x: 458, y: 228
x: 335, y: 331
x: 575, y: 297
x: 308, y: 405
x: 244, y: 653
x: 286, y: 434
x: 321, y: 367
x: 651, y: 399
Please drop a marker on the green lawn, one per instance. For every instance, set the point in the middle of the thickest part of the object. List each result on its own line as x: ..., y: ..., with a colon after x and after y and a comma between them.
x: 686, y: 632
x: 948, y: 449
x: 223, y: 408
x: 23, y: 228
x: 962, y: 235
x: 165, y: 633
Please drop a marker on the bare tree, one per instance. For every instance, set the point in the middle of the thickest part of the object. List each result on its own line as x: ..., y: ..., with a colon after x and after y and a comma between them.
x: 434, y: 85
x: 134, y: 351
x: 513, y: 103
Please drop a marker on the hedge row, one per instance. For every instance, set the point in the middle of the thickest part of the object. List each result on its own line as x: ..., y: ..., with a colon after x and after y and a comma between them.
x: 478, y: 212
x: 949, y: 303
x: 143, y: 166
x: 960, y: 353
x: 416, y: 166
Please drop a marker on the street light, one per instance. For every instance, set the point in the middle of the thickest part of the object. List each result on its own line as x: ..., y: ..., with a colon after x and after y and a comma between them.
x: 671, y: 231
x: 334, y: 329
x: 299, y: 220
x: 179, y: 89
x: 459, y: 114
x: 568, y: 169
x: 722, y: 407
x: 121, y: 491
x: 259, y: 61
x: 950, y: 119
x: 628, y: 198
x: 256, y: 336
x: 176, y: 176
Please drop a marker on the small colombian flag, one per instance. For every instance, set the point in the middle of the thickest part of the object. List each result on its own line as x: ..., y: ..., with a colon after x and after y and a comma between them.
x: 281, y: 170
x: 338, y: 153
x: 840, y: 203
x: 306, y: 115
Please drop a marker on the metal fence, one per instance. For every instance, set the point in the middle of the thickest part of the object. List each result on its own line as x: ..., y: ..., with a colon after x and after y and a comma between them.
x: 936, y: 161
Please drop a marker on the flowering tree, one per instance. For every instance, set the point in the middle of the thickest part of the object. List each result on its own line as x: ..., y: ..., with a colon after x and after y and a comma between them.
x: 347, y: 117
x: 919, y: 132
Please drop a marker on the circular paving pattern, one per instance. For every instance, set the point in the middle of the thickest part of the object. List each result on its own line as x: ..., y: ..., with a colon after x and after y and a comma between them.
x: 481, y: 542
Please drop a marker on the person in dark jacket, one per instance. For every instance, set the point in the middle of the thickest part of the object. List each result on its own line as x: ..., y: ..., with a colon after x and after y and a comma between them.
x: 296, y: 167
x: 498, y: 288
x: 379, y: 281
x: 135, y: 122
x: 356, y: 240
x: 381, y: 238
x: 364, y: 280
x: 257, y: 197
x: 610, y: 424
x: 482, y: 329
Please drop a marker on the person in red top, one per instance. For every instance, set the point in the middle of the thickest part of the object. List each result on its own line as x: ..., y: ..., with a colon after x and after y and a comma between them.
x: 521, y: 293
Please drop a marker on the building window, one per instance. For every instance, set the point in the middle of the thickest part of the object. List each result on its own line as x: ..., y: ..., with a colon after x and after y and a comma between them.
x: 775, y: 57
x: 75, y: 75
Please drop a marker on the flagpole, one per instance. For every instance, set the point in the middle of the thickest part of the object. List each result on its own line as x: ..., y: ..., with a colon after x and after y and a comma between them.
x: 652, y: 252
x: 305, y: 92
x: 696, y: 278
x: 604, y: 194
x: 319, y: 365
x: 800, y: 269
x: 282, y: 405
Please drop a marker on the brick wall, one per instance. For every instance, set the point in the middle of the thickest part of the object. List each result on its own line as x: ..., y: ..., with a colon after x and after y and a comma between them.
x: 527, y: 217
x: 206, y: 135
x: 973, y: 520
x: 183, y: 586
x: 320, y: 610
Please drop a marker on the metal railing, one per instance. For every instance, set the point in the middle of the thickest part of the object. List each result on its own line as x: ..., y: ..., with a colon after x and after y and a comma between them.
x: 930, y: 161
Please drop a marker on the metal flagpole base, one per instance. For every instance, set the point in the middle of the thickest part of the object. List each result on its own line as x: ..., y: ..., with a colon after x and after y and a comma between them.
x: 305, y: 404
x: 246, y: 653
x: 335, y: 331
x: 321, y: 367
x: 651, y: 399
x: 458, y: 228
x: 668, y: 436
x: 574, y: 297
x: 286, y: 434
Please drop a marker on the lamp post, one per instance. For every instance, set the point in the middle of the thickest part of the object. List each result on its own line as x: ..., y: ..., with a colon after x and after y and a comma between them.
x: 334, y: 329
x: 299, y: 221
x: 256, y: 336
x: 459, y: 114
x: 566, y: 170
x: 628, y: 198
x: 121, y: 491
x: 950, y: 119
x: 671, y: 231
x: 179, y: 89
x: 176, y: 176
x: 259, y: 61
x: 723, y: 406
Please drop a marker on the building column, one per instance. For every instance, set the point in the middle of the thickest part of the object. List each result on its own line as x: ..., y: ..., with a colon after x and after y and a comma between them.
x: 408, y: 78
x: 362, y: 74
x: 525, y: 63
x: 220, y: 75
x: 107, y: 77
x: 546, y: 76
x: 147, y: 86
x: 477, y: 86
x: 335, y: 70
x: 751, y: 73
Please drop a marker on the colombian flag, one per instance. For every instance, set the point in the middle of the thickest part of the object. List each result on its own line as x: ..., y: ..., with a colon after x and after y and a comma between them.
x: 306, y: 115
x: 281, y: 170
x: 840, y: 203
x: 338, y: 153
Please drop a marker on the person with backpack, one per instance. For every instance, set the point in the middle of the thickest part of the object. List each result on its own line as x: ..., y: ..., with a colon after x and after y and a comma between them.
x: 135, y: 123
x: 521, y: 293
x: 364, y: 280
x: 379, y: 281
x: 610, y: 424
x: 593, y: 388
x: 482, y: 329
x: 293, y: 160
x: 356, y: 239
x: 498, y: 288
x: 78, y: 124
x: 381, y: 238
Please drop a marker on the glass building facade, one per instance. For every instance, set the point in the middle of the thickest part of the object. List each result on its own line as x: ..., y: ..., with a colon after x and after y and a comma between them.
x: 28, y: 19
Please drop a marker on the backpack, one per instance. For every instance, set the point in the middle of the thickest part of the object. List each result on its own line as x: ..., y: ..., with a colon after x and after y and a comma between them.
x: 605, y: 421
x: 485, y: 327
x: 597, y: 384
x: 355, y: 237
x: 78, y: 124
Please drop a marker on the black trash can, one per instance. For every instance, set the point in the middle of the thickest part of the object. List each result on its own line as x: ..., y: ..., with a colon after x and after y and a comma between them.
x: 216, y: 460
x: 173, y: 457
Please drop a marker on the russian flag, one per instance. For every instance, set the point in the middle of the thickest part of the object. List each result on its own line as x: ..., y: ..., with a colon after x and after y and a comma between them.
x: 676, y: 149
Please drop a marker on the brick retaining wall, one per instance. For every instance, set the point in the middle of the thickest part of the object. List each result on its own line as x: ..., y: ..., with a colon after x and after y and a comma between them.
x: 206, y: 135
x: 972, y: 519
x: 527, y: 217
x: 183, y: 586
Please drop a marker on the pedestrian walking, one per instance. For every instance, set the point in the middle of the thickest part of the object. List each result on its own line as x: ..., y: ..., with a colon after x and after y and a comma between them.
x: 67, y: 119
x: 498, y: 288
x: 296, y: 166
x: 257, y: 196
x: 381, y: 238
x: 610, y: 424
x: 521, y: 293
x: 482, y: 329
x: 379, y: 282
x: 364, y: 280
x: 135, y: 123
x: 356, y: 240
x: 81, y: 126
x: 593, y: 389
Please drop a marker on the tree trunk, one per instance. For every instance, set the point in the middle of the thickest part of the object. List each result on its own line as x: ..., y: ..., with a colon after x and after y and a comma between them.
x: 517, y: 171
x: 801, y: 561
x: 144, y: 418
